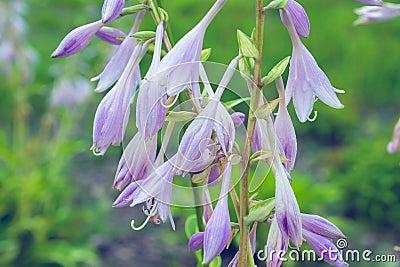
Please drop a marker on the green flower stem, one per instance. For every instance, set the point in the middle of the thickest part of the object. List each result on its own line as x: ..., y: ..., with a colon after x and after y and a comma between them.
x: 254, y: 102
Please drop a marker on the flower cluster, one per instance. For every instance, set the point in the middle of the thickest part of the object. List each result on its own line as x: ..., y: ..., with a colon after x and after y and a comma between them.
x: 208, y: 147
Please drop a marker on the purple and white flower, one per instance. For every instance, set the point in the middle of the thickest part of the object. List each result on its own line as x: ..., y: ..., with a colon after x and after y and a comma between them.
x: 299, y: 17
x: 111, y: 35
x: 277, y: 245
x: 111, y: 10
x: 372, y: 14
x: 306, y: 80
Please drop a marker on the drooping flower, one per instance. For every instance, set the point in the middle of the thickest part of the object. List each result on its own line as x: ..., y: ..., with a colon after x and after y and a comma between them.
x: 284, y: 130
x: 371, y: 2
x: 372, y: 14
x: 277, y: 245
x: 218, y: 228
x: 136, y: 162
x: 306, y: 80
x: 117, y: 64
x: 113, y: 111
x: 394, y: 145
x: 238, y: 118
x: 157, y: 185
x: 111, y: 10
x: 151, y: 104
x: 287, y: 211
x: 196, y: 242
x: 299, y: 17
x: 110, y: 35
x: 77, y: 39
x: 319, y: 234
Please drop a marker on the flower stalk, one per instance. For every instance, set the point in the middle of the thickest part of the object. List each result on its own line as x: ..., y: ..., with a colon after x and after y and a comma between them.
x: 254, y: 102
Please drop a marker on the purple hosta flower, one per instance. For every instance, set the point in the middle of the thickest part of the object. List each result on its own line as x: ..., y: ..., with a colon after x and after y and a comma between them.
x: 284, y: 130
x: 77, y: 39
x: 151, y: 101
x: 260, y: 138
x: 157, y: 185
x: 234, y: 261
x: 111, y: 10
x: 299, y: 17
x: 277, y: 245
x: 287, y: 210
x: 394, y: 145
x: 218, y: 228
x: 178, y: 68
x: 319, y: 234
x: 136, y: 162
x: 371, y: 14
x: 371, y: 2
x: 110, y: 35
x: 196, y: 242
x: 113, y: 111
x: 114, y: 68
x: 306, y: 80
x: 238, y: 118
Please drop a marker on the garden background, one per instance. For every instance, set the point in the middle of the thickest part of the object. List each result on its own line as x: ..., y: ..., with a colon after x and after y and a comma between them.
x: 56, y: 196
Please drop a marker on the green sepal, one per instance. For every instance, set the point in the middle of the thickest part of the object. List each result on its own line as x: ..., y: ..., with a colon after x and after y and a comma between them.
x: 260, y: 211
x: 205, y: 54
x: 276, y: 4
x: 133, y: 9
x: 246, y: 45
x: 276, y: 71
x: 144, y: 35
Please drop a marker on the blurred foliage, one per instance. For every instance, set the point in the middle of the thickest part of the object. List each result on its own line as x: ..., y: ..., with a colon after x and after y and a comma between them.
x: 53, y: 200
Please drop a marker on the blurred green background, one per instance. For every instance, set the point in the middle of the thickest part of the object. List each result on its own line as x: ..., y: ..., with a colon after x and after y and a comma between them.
x: 55, y: 196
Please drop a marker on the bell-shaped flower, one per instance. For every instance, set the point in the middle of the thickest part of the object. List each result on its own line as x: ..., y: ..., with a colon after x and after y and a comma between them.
x: 111, y: 35
x: 319, y: 234
x: 299, y: 17
x: 371, y: 2
x: 196, y: 242
x: 136, y: 162
x: 111, y: 10
x: 77, y: 40
x: 113, y: 111
x: 151, y: 101
x: 178, y: 68
x: 287, y: 211
x: 238, y: 118
x: 277, y: 245
x: 371, y: 14
x: 157, y: 185
x: 394, y: 145
x: 306, y: 79
x: 218, y: 228
x: 119, y: 60
x: 284, y: 130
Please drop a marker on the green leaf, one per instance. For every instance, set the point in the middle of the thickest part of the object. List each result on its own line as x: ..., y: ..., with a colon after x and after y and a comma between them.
x: 217, y: 262
x: 276, y: 4
x: 231, y: 104
x: 180, y: 115
x: 133, y: 9
x: 191, y: 226
x: 261, y: 210
x: 264, y: 111
x: 163, y: 14
x: 246, y: 45
x: 205, y: 54
x: 276, y: 71
x: 144, y: 35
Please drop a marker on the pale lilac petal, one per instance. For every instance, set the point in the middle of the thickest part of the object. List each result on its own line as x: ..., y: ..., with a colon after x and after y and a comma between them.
x: 110, y: 35
x: 113, y: 111
x: 196, y: 241
x: 218, y: 228
x: 277, y: 245
x: 371, y: 2
x: 111, y: 10
x: 287, y: 210
x: 238, y: 118
x: 115, y: 67
x: 306, y: 79
x: 325, y: 248
x: 372, y: 14
x: 320, y: 226
x: 136, y: 162
x: 300, y: 18
x: 394, y: 144
x: 77, y: 40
